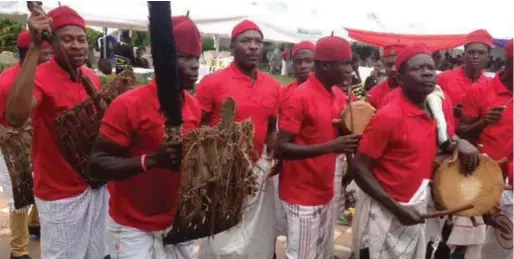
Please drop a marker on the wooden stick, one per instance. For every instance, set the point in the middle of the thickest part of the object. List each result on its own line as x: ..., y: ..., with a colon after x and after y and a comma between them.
x: 447, y: 212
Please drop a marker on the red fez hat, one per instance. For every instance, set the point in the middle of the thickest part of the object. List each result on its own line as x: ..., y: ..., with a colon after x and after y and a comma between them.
x: 410, y: 52
x: 245, y: 25
x: 393, y: 50
x: 332, y: 48
x: 188, y: 39
x: 480, y: 36
x: 23, y: 41
x: 64, y: 16
x: 508, y: 49
x: 307, y: 45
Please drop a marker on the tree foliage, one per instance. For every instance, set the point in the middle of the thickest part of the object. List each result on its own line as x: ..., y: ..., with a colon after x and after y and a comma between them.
x: 9, y: 31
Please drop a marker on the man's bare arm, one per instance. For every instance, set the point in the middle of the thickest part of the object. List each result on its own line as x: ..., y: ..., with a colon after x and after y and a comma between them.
x: 286, y: 150
x: 21, y: 100
x: 471, y: 128
x: 109, y: 161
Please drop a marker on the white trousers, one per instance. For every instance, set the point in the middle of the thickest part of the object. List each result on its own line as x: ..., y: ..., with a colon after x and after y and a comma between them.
x: 131, y: 243
x: 255, y: 236
x: 310, y: 231
x: 74, y: 228
x: 376, y: 228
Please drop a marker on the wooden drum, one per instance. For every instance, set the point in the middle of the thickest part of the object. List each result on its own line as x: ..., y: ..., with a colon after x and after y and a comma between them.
x: 482, y: 189
x: 356, y: 116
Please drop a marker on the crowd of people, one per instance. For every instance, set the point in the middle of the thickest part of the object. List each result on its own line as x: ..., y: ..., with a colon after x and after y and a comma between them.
x: 391, y: 162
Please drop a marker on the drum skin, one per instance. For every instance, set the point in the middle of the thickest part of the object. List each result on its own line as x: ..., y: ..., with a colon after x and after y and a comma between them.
x: 482, y: 188
x: 356, y: 118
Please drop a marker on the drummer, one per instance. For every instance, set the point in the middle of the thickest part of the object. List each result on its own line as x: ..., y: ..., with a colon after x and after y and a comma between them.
x: 378, y: 92
x: 487, y: 122
x: 139, y: 216
x: 72, y: 215
x: 399, y: 141
x: 308, y: 143
x: 19, y: 218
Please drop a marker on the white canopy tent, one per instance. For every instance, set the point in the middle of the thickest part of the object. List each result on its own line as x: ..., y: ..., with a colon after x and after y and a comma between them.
x: 212, y: 17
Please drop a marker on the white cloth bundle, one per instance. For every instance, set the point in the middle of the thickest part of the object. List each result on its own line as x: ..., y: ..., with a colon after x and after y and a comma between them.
x: 435, y: 103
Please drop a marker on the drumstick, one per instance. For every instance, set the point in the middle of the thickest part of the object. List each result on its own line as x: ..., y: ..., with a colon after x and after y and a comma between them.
x: 446, y: 212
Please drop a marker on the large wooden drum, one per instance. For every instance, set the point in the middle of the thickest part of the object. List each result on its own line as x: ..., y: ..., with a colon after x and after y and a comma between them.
x: 482, y: 189
x: 356, y: 116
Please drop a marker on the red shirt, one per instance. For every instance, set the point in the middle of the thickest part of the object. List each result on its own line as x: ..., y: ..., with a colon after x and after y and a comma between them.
x: 483, y: 97
x: 256, y: 100
x: 7, y: 79
x: 457, y: 84
x: 54, y: 178
x: 402, y: 139
x: 447, y: 106
x: 287, y: 91
x: 308, y: 113
x: 377, y: 93
x: 148, y: 200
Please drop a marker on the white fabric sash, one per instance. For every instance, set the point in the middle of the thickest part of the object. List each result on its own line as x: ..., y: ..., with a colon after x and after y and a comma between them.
x: 376, y: 228
x: 254, y: 237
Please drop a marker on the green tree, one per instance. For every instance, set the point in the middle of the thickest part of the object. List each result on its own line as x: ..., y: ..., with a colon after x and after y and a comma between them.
x: 92, y: 38
x: 9, y: 31
x: 140, y: 38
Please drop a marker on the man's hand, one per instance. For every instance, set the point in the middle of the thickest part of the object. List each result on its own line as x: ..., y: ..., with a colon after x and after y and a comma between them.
x: 270, y: 143
x: 168, y: 157
x: 494, y: 114
x: 469, y: 156
x: 346, y: 144
x: 408, y: 216
x: 38, y: 22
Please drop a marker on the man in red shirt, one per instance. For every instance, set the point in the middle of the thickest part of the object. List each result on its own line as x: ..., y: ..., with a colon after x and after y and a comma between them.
x: 457, y: 82
x: 19, y: 218
x: 303, y: 65
x: 308, y: 143
x: 130, y: 154
x: 379, y: 91
x: 257, y: 97
x: 395, y: 161
x: 487, y: 122
x: 72, y: 215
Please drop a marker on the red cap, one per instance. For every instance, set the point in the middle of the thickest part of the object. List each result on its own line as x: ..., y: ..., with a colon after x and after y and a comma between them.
x: 332, y: 48
x: 393, y: 50
x: 307, y: 45
x: 480, y: 36
x: 23, y: 41
x: 64, y: 16
x: 410, y: 52
x: 188, y: 39
x: 245, y: 25
x: 508, y: 49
